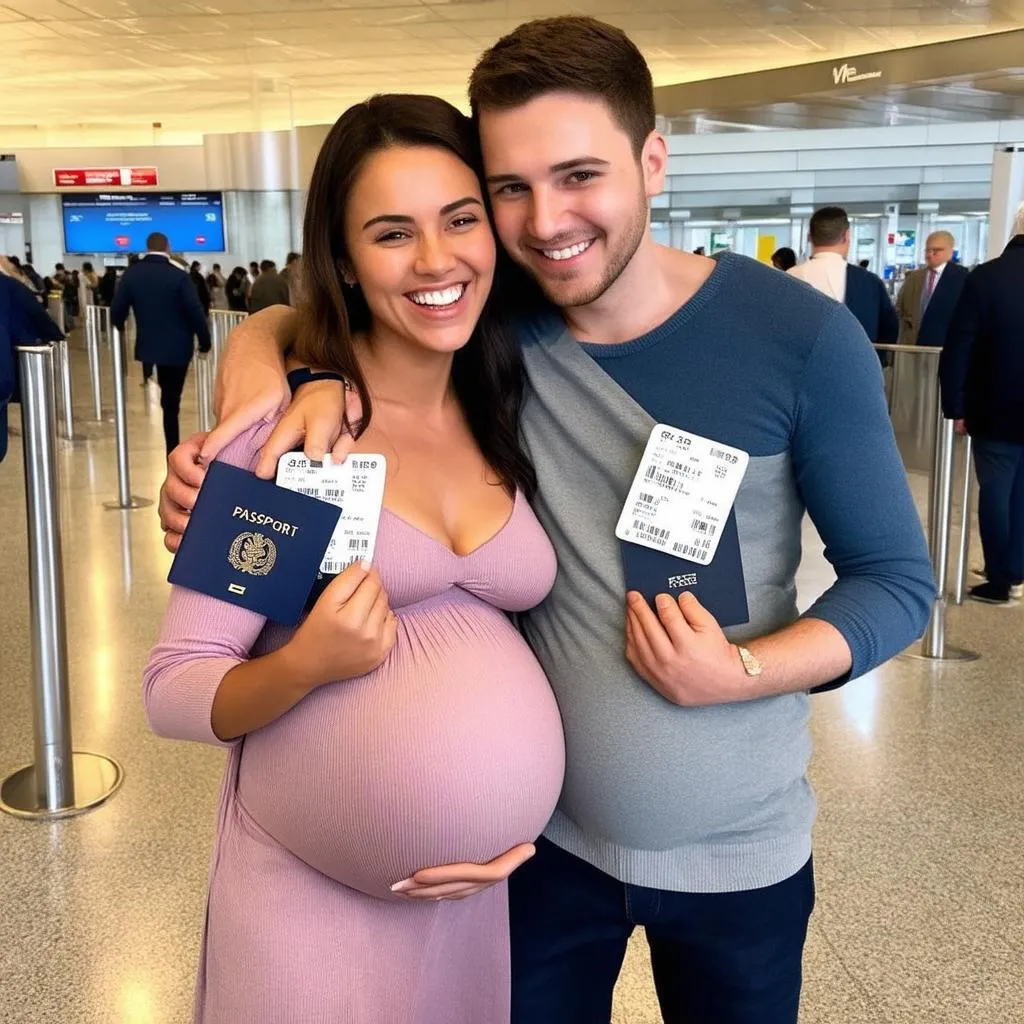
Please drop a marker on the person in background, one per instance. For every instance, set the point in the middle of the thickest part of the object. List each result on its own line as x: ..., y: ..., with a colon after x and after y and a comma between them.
x: 168, y: 317
x: 107, y: 286
x: 270, y: 289
x: 71, y: 298
x: 35, y: 282
x: 864, y: 264
x: 216, y: 283
x: 930, y: 294
x: 10, y: 268
x: 22, y: 322
x: 202, y: 290
x: 981, y: 371
x: 254, y: 272
x: 236, y: 289
x: 784, y: 259
x: 91, y: 279
x: 827, y: 270
x: 291, y: 272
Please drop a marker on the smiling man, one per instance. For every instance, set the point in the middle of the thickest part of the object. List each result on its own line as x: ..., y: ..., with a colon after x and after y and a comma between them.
x: 686, y: 807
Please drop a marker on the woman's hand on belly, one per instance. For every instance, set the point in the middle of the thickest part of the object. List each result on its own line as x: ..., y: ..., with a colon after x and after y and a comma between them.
x: 459, y: 881
x: 349, y: 632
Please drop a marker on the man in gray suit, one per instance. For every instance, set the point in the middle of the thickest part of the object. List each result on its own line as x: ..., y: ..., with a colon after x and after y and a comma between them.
x: 929, y: 295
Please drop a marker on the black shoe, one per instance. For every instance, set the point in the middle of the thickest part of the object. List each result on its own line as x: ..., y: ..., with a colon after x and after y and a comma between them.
x: 990, y: 593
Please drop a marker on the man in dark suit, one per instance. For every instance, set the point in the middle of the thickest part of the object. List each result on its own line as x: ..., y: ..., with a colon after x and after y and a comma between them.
x: 862, y: 292
x: 168, y: 319
x: 23, y: 321
x: 982, y: 376
x: 929, y: 294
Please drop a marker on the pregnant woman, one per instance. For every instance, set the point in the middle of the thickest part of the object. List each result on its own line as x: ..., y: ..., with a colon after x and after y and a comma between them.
x: 404, y: 724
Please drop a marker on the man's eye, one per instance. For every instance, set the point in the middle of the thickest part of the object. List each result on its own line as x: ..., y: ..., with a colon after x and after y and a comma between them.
x: 581, y: 177
x: 510, y: 190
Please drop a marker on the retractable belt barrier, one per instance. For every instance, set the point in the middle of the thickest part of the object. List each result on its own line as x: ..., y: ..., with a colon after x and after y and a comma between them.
x: 940, y: 512
x: 204, y: 389
x: 61, y: 781
x: 222, y: 323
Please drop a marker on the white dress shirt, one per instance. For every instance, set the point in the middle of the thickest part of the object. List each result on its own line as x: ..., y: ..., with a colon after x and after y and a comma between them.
x: 825, y: 271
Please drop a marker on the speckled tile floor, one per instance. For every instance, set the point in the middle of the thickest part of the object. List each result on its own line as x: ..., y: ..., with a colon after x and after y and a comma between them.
x: 919, y: 771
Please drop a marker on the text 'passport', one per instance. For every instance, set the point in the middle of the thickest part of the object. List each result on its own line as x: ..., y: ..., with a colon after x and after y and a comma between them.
x: 254, y: 544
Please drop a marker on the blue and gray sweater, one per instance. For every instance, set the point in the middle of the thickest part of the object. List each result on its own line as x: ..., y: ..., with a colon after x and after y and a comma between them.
x: 713, y: 799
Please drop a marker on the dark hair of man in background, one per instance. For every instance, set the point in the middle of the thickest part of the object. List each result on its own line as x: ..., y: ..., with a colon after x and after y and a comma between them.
x: 783, y: 258
x: 828, y: 225
x: 157, y: 242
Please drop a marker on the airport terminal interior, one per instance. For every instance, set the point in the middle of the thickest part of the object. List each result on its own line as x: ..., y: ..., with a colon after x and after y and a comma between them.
x: 205, y: 118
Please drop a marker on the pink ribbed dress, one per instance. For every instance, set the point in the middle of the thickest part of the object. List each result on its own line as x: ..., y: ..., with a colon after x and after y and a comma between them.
x: 451, y: 751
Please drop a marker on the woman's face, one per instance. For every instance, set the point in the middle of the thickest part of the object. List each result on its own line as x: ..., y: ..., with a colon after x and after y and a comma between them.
x: 420, y: 245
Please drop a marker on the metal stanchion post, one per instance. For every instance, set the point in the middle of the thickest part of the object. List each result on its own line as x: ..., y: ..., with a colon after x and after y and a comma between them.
x: 92, y: 345
x: 964, y: 547
x: 933, y: 645
x: 125, y: 498
x: 216, y: 338
x: 204, y: 391
x: 60, y: 782
x: 63, y: 351
x: 934, y: 498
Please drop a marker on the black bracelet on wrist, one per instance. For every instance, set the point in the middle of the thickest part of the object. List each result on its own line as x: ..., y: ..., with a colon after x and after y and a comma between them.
x: 304, y: 375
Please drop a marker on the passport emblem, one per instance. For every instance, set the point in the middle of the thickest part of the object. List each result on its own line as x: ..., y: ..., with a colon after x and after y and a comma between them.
x: 253, y: 553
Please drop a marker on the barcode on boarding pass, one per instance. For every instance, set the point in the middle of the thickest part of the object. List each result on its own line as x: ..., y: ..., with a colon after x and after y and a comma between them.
x: 703, y: 526
x: 666, y: 480
x: 357, y: 548
x: 654, y: 533
x: 696, y: 551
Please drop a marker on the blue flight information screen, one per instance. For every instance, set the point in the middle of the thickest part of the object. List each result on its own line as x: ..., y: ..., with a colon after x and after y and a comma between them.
x: 119, y: 222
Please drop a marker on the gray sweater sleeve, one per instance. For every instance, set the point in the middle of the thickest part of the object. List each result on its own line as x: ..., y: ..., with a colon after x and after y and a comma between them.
x: 852, y: 481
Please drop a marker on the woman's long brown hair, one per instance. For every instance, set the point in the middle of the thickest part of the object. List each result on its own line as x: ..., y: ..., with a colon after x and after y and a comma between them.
x: 487, y: 373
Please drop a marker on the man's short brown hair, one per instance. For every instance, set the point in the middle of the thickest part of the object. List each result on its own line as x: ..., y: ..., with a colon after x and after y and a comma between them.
x: 568, y: 54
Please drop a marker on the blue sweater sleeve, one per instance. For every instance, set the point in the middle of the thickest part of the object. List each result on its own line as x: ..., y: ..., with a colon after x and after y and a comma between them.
x: 852, y: 480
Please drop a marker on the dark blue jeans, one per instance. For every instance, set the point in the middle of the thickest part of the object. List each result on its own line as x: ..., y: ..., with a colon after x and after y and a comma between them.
x: 718, y: 958
x: 1000, y: 468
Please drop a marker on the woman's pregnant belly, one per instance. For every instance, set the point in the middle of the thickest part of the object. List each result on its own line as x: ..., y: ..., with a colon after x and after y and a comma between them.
x: 450, y: 752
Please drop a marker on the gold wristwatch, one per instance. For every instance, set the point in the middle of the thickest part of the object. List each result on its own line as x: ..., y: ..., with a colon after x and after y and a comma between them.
x: 750, y: 664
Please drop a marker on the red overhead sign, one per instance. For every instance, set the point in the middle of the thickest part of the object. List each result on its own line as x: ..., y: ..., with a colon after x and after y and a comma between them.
x: 104, y: 177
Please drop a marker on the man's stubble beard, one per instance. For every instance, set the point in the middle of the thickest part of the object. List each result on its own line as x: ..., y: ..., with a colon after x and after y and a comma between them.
x: 619, y: 260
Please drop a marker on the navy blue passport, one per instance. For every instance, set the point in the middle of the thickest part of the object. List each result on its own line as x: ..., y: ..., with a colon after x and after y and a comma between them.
x: 254, y: 544
x: 718, y: 586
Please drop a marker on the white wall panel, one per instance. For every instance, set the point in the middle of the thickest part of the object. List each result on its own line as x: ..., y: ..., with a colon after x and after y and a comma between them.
x: 45, y: 232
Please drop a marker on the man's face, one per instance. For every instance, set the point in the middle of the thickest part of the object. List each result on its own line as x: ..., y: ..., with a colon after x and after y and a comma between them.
x: 570, y: 199
x: 937, y: 252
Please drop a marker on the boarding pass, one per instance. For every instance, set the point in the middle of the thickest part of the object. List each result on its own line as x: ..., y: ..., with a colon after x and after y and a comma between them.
x: 682, y: 494
x: 356, y: 486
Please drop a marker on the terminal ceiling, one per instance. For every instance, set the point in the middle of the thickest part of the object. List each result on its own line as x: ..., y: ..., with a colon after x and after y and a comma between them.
x: 194, y: 66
